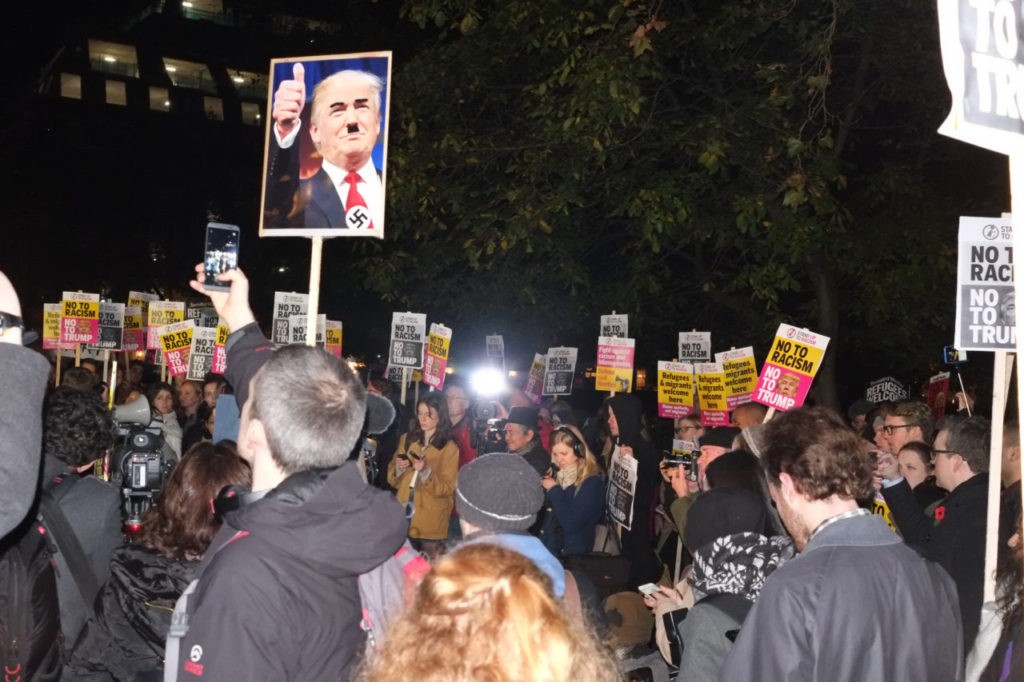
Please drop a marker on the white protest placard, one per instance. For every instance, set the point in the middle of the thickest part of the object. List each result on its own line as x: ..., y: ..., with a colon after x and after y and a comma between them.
x: 286, y: 304
x: 408, y: 332
x: 981, y: 60
x: 297, y: 329
x: 495, y: 349
x: 560, y: 370
x: 621, y: 488
x: 986, y: 310
x: 111, y: 326
x: 200, y: 356
x: 694, y: 346
x: 615, y: 325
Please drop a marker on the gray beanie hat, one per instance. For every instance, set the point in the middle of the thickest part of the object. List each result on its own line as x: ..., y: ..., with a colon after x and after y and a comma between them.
x: 499, y: 491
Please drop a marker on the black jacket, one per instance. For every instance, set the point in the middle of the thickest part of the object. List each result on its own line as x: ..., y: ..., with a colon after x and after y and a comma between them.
x: 278, y: 597
x: 957, y: 542
x: 133, y: 614
x: 638, y: 541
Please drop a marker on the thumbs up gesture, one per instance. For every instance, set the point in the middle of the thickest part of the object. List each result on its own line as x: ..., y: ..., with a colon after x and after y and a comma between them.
x: 289, y: 100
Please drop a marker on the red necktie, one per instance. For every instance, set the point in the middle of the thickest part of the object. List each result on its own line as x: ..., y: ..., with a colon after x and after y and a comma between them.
x: 357, y: 215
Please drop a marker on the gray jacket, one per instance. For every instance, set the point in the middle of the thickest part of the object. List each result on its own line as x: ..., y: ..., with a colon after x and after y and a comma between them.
x: 857, y: 604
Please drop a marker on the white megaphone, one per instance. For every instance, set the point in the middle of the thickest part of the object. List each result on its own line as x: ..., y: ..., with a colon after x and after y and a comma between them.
x: 135, y: 412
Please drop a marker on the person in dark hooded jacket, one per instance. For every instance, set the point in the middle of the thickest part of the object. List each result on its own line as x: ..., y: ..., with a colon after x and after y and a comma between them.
x: 277, y: 595
x: 625, y: 424
x: 133, y: 612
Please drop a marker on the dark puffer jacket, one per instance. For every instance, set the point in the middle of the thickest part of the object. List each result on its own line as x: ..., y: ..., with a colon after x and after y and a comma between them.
x: 134, y: 612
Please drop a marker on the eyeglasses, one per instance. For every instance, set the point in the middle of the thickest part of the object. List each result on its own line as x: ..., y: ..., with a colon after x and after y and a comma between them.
x: 890, y: 429
x: 944, y: 452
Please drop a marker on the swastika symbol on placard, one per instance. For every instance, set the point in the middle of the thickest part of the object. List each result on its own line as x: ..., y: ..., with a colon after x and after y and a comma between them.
x: 357, y: 217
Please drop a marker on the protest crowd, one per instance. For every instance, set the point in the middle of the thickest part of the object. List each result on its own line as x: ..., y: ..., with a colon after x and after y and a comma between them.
x: 347, y: 529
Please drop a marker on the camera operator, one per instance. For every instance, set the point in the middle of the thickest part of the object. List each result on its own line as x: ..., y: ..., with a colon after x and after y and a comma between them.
x: 77, y: 431
x: 523, y: 438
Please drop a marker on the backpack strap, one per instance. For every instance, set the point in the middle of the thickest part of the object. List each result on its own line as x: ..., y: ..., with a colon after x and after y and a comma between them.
x: 179, y: 618
x: 68, y: 544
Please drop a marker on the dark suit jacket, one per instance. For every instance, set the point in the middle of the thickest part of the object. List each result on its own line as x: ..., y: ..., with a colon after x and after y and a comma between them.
x: 291, y: 202
x: 957, y: 543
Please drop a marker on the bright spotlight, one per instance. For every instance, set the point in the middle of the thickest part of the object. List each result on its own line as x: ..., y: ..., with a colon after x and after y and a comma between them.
x: 487, y: 382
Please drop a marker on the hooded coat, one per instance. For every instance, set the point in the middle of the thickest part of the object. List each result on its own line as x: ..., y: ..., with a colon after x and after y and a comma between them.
x: 637, y: 542
x: 278, y: 597
x: 280, y: 600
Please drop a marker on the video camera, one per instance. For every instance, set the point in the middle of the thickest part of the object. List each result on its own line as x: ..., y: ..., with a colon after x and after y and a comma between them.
x: 685, y: 459
x: 488, y: 428
x: 141, y: 461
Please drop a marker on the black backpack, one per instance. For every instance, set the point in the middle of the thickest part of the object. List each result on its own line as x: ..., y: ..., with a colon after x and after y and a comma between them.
x: 30, y: 635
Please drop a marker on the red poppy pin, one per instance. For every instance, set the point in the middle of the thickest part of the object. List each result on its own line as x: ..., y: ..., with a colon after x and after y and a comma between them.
x: 940, y: 513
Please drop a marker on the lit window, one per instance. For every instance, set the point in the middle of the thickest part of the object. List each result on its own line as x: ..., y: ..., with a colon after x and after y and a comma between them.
x: 71, y: 85
x: 116, y: 58
x: 159, y: 99
x: 214, y: 108
x: 117, y: 93
x: 250, y: 113
x: 193, y: 75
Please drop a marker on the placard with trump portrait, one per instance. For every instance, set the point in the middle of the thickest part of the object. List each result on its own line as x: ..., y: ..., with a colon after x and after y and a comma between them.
x: 326, y: 146
x: 787, y: 373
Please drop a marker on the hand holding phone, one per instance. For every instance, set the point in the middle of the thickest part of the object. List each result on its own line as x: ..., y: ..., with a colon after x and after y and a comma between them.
x: 221, y: 254
x: 649, y: 589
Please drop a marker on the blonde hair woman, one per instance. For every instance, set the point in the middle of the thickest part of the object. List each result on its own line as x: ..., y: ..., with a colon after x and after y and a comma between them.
x: 487, y: 613
x: 575, y: 495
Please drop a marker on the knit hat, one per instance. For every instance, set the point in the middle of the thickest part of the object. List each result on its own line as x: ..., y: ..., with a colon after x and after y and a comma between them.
x: 722, y: 436
x: 859, y: 407
x: 499, y: 492
x: 724, y: 511
x: 524, y: 416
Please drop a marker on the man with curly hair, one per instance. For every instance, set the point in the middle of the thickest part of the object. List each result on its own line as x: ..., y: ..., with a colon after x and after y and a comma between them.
x: 856, y: 603
x: 76, y: 432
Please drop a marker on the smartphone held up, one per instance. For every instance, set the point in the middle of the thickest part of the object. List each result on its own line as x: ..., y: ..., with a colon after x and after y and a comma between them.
x: 221, y: 254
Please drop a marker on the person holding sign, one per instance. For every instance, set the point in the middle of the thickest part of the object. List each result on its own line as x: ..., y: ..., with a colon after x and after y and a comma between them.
x: 624, y: 422
x: 344, y: 123
x: 424, y: 471
x: 575, y: 495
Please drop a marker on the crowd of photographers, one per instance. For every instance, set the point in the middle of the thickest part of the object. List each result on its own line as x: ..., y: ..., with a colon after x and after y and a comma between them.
x: 804, y: 547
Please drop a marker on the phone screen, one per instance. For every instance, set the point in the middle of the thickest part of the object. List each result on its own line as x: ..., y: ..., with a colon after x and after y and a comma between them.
x: 221, y: 252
